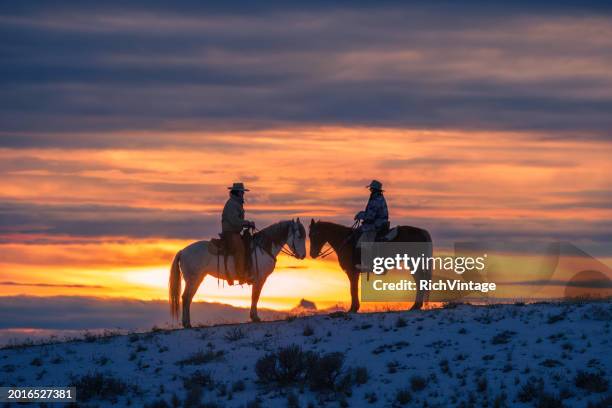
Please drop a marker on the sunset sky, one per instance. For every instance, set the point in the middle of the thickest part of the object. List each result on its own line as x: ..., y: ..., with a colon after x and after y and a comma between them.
x: 122, y: 126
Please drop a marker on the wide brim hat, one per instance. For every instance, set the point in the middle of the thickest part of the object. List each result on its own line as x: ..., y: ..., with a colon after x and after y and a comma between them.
x: 238, y: 187
x: 376, y: 185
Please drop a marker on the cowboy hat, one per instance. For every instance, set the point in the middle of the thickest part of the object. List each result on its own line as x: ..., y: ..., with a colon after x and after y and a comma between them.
x: 376, y: 185
x: 238, y: 187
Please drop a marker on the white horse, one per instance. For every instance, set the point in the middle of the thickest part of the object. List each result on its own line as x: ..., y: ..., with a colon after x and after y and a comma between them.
x: 195, y: 262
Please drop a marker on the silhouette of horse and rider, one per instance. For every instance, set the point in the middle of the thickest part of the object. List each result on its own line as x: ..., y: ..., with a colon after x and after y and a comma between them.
x: 248, y: 255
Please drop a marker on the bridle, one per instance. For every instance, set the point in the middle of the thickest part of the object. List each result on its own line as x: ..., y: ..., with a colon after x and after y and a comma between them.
x: 291, y: 251
x: 323, y: 253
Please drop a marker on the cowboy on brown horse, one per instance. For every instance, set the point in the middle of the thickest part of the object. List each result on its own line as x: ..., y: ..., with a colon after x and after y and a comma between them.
x: 375, y: 218
x: 232, y: 225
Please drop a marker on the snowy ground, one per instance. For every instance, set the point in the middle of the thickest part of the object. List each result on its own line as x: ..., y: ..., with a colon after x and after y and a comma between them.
x: 506, y: 355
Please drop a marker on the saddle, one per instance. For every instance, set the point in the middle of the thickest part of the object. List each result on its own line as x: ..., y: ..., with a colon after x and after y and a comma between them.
x: 388, y: 235
x: 218, y: 246
x: 221, y: 247
x: 384, y: 234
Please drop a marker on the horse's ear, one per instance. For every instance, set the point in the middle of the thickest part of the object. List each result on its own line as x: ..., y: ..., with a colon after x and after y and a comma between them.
x: 312, y: 221
x: 298, y: 220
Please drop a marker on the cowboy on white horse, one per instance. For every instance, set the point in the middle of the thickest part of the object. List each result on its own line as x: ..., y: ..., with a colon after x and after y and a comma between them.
x: 201, y: 258
x: 232, y: 225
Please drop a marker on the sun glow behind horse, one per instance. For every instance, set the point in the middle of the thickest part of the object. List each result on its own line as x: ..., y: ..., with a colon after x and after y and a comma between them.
x: 195, y: 261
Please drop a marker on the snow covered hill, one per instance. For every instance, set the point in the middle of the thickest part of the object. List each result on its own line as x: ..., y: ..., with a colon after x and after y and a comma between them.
x: 546, y: 355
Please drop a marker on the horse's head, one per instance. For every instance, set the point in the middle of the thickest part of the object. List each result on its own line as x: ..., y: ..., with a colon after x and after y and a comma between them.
x: 297, y: 239
x: 316, y: 238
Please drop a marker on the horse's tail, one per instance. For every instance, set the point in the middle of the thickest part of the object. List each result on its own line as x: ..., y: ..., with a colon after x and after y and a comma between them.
x: 174, y: 286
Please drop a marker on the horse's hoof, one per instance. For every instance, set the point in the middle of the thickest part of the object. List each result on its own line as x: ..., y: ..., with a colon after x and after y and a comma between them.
x: 186, y: 325
x: 255, y: 319
x: 416, y: 306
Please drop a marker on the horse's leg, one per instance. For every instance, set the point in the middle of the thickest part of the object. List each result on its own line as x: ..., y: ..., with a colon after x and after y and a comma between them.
x: 428, y: 276
x: 354, y: 279
x: 191, y: 287
x: 418, y: 301
x: 255, y: 292
x: 188, y: 293
x: 421, y: 275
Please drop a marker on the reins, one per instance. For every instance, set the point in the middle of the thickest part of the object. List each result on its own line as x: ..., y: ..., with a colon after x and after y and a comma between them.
x: 290, y: 252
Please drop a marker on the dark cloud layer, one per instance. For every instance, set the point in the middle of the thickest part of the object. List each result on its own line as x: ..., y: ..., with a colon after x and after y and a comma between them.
x: 102, y: 221
x: 105, y: 66
x: 78, y: 313
x: 48, y: 285
x: 76, y: 222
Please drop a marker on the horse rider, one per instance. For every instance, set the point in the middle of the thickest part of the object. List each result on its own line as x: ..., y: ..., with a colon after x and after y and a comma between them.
x: 232, y: 225
x: 375, y: 217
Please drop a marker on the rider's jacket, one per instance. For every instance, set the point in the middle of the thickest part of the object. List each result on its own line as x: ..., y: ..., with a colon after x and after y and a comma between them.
x: 376, y: 214
x: 232, y: 219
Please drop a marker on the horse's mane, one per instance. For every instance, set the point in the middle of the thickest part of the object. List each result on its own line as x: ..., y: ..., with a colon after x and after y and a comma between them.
x: 334, y: 225
x: 273, y: 234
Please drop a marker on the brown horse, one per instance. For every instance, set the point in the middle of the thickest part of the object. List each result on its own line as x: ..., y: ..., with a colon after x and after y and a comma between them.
x: 339, y: 237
